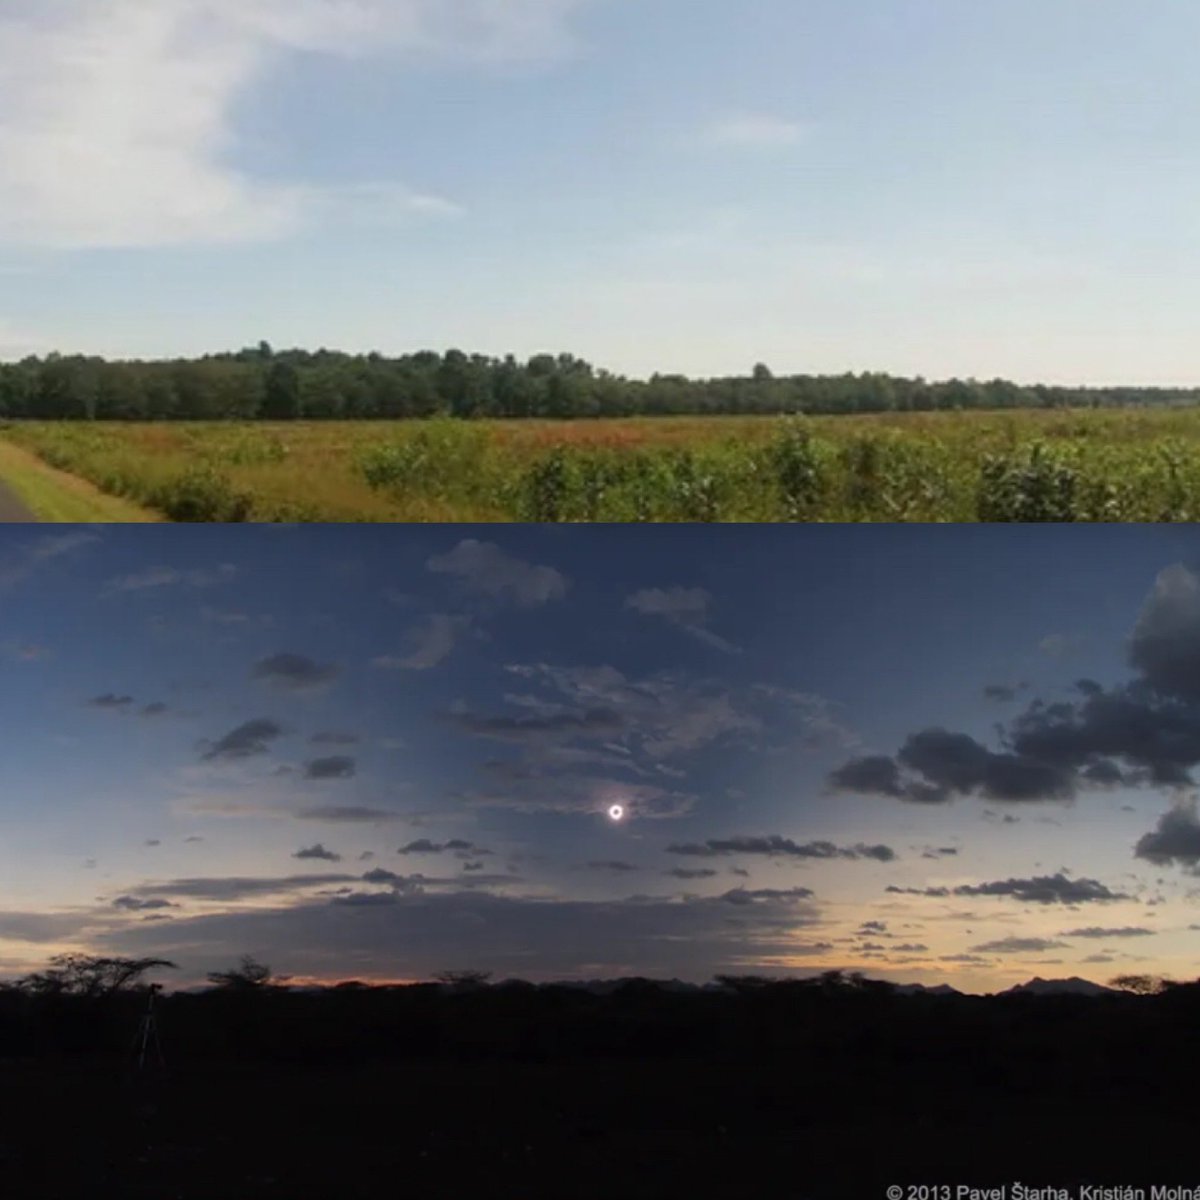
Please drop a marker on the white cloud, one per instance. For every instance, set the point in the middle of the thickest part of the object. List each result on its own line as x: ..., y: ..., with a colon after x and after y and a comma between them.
x: 685, y: 608
x: 755, y: 131
x: 152, y: 578
x: 118, y: 114
x: 485, y: 568
x: 432, y: 642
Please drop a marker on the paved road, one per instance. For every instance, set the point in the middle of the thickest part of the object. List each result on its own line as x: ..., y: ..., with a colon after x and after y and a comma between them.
x: 12, y: 511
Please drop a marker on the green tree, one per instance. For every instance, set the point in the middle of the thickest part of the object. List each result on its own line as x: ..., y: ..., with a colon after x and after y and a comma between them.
x: 281, y: 396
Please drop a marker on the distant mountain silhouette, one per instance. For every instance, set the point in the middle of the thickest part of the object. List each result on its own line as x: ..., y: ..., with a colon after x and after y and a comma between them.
x: 941, y: 989
x: 1058, y: 987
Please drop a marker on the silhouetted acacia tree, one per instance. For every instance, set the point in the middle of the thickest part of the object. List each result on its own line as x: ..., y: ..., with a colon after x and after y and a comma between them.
x: 248, y: 975
x: 89, y: 976
x: 1140, y: 985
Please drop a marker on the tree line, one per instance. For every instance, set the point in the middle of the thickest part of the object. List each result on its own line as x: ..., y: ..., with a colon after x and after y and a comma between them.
x: 264, y: 384
x: 90, y: 1005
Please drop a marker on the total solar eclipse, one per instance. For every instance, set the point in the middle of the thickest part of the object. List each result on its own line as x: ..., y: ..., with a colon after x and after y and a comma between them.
x: 616, y: 812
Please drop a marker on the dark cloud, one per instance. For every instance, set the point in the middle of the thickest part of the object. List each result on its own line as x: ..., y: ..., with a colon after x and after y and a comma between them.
x: 345, y: 814
x: 956, y: 763
x: 779, y: 847
x: 741, y: 896
x: 939, y: 852
x: 1165, y: 646
x: 331, y: 737
x: 294, y: 672
x: 366, y: 899
x: 1157, y: 736
x: 156, y: 709
x: 1146, y: 731
x: 1018, y: 945
x: 110, y: 700
x: 874, y: 774
x: 1174, y: 840
x: 1042, y: 889
x: 1094, y: 931
x: 873, y: 927
x: 248, y: 739
x: 42, y: 927
x: 611, y: 864
x: 454, y: 845
x: 909, y: 948
x: 1003, y: 693
x: 398, y: 883
x: 692, y: 872
x: 152, y: 842
x: 317, y: 851
x: 417, y: 934
x: 337, y: 766
x: 517, y: 729
x: 136, y: 904
x: 237, y: 887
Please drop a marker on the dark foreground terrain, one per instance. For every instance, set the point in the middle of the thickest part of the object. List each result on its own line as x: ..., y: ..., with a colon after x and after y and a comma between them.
x: 790, y: 1090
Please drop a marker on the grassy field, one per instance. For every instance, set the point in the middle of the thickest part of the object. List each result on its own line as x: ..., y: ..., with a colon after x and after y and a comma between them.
x: 1104, y: 465
x: 56, y: 496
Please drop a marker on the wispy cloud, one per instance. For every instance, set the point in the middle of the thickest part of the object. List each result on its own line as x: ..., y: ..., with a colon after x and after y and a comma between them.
x: 156, y: 577
x: 685, y: 608
x: 754, y: 131
x: 431, y: 642
x: 31, y: 557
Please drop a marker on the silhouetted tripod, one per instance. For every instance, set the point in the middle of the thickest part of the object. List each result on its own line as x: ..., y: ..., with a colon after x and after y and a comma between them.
x: 147, y: 1033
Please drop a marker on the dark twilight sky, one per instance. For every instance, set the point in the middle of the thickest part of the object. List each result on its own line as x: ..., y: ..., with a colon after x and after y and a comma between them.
x: 928, y: 753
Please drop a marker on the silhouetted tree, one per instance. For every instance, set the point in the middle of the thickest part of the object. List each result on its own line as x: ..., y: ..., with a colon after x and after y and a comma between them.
x: 463, y: 980
x: 88, y: 975
x: 1140, y: 985
x: 248, y: 975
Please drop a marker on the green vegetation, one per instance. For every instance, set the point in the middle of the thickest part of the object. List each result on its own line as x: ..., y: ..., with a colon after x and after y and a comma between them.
x: 54, y: 496
x: 262, y: 384
x: 1030, y: 466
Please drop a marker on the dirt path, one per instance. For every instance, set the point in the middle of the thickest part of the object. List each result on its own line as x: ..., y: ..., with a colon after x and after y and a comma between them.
x: 12, y: 511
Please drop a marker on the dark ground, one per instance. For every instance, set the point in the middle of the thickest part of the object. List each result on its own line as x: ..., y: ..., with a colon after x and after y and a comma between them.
x: 619, y: 1130
x: 789, y: 1092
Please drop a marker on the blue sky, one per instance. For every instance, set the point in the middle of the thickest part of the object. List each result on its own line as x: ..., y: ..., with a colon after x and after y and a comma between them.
x: 380, y: 752
x: 917, y: 186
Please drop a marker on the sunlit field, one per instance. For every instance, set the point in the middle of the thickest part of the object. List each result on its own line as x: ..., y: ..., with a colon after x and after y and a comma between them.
x: 1083, y: 465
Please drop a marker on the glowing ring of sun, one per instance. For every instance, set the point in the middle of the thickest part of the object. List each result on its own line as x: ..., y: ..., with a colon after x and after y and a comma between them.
x: 616, y: 812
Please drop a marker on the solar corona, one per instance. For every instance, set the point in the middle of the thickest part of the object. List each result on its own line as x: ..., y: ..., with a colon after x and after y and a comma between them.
x: 616, y: 813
